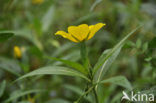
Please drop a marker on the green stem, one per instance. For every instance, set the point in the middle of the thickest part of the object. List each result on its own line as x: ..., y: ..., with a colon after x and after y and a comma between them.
x: 85, y: 61
x: 96, y: 96
x: 84, y: 57
x: 89, y: 90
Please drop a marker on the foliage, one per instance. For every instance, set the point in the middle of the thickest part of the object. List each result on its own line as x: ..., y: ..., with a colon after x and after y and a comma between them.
x: 121, y: 56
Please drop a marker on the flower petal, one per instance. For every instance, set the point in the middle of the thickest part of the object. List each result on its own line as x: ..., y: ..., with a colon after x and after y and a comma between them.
x: 17, y: 52
x: 94, y: 28
x: 79, y: 32
x: 66, y: 35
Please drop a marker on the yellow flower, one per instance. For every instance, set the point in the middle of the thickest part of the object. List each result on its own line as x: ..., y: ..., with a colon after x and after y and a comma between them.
x: 17, y: 52
x: 80, y: 33
x: 37, y: 1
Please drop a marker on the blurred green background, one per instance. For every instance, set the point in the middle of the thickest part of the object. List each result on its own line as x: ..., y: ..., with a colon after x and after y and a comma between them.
x: 34, y: 23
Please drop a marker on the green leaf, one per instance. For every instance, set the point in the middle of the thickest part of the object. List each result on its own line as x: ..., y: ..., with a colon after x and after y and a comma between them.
x: 72, y: 56
x: 72, y: 64
x: 117, y: 98
x: 84, y: 94
x: 145, y: 47
x: 149, y: 91
x: 58, y: 101
x: 101, y: 72
x: 13, y: 97
x: 24, y: 102
x: 25, y: 33
x: 85, y: 18
x: 138, y: 43
x: 118, y: 80
x: 113, y: 50
x: 95, y: 4
x: 63, y: 49
x: 10, y: 66
x: 152, y: 43
x: 5, y: 36
x: 2, y: 87
x: 58, y: 70
x: 47, y: 18
x: 78, y: 91
x: 148, y: 59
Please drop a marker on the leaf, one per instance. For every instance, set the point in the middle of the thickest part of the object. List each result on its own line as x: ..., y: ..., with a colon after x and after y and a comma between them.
x: 78, y: 91
x: 145, y: 46
x: 47, y: 19
x: 58, y: 101
x: 2, y: 87
x: 95, y: 4
x: 118, y: 80
x: 25, y: 33
x: 24, y: 102
x: 151, y: 90
x: 101, y: 72
x: 152, y: 43
x: 10, y: 65
x: 72, y: 64
x: 13, y: 97
x: 85, y: 18
x: 61, y: 50
x: 5, y: 35
x: 84, y: 94
x: 117, y: 98
x: 72, y: 56
x: 58, y: 70
x: 138, y: 43
x: 149, y: 8
x: 113, y: 50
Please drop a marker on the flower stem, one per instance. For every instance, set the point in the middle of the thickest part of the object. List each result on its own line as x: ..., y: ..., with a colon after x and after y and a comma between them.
x: 85, y: 61
x: 84, y: 56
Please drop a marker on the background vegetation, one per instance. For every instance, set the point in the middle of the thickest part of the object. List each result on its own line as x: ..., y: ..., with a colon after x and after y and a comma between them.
x: 34, y: 24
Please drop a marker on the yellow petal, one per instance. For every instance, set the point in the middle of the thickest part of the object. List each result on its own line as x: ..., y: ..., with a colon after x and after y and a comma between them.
x: 79, y: 32
x: 17, y: 52
x: 94, y: 28
x: 66, y: 35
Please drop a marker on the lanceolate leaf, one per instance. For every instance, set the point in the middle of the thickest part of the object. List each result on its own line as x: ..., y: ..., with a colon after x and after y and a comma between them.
x: 10, y: 66
x: 72, y: 64
x: 118, y: 80
x: 113, y: 50
x: 24, y: 33
x: 47, y: 18
x: 150, y: 90
x: 5, y: 36
x: 57, y: 70
x: 95, y: 4
x: 57, y: 100
x: 78, y: 91
x: 101, y: 72
x: 21, y: 94
x: 2, y: 87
